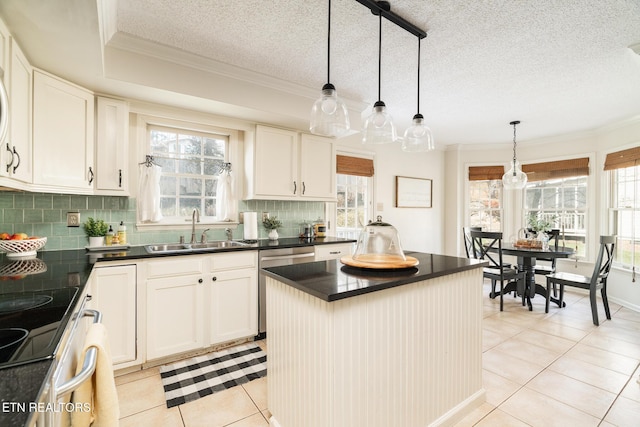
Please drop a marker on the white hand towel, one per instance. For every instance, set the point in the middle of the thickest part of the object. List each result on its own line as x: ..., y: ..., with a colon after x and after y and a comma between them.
x: 149, y: 193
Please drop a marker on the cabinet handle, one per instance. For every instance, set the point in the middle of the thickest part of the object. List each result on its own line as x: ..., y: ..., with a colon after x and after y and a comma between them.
x: 15, y: 153
x: 304, y: 188
x: 90, y: 175
x: 214, y: 278
x: 120, y: 178
x: 11, y: 162
x: 199, y: 280
x: 295, y: 187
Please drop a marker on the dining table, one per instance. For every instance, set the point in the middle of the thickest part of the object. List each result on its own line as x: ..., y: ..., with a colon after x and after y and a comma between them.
x: 526, y: 257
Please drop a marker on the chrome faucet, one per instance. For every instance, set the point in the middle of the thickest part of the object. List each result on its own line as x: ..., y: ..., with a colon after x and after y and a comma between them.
x: 195, y: 216
x: 229, y: 233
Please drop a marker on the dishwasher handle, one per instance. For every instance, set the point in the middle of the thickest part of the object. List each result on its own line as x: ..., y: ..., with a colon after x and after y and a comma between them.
x: 89, y: 364
x: 276, y: 257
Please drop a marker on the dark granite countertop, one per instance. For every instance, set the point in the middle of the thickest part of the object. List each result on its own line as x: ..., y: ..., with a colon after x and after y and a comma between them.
x: 332, y: 281
x: 68, y: 269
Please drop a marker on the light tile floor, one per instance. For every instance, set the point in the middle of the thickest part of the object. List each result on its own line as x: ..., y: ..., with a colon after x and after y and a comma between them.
x: 555, y: 369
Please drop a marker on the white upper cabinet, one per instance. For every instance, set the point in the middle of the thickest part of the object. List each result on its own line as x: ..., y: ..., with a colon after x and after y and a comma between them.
x: 112, y: 144
x: 282, y: 165
x: 63, y: 135
x: 17, y: 151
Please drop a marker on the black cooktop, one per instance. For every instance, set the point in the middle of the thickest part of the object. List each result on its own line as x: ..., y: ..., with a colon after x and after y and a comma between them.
x: 36, y: 299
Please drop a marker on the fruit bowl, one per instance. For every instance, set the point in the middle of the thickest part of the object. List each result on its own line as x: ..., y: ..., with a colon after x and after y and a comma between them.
x: 22, y: 248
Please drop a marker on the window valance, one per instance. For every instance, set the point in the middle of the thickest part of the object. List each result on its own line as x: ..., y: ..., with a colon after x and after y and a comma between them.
x: 482, y: 173
x: 622, y: 159
x: 358, y: 166
x: 559, y: 169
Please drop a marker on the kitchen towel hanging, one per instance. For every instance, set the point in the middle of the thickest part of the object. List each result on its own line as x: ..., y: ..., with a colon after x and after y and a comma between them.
x: 225, y: 208
x: 250, y: 226
x: 149, y: 192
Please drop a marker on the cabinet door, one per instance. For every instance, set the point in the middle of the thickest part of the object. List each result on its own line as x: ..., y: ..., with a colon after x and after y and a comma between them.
x: 114, y: 295
x: 174, y: 315
x: 112, y: 136
x: 276, y: 163
x: 63, y: 134
x: 18, y: 146
x: 233, y: 305
x: 317, y: 168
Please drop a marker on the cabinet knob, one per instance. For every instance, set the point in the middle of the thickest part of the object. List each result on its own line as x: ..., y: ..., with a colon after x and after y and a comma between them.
x: 295, y: 187
x: 214, y: 278
x: 90, y: 175
x: 15, y: 153
x: 10, y: 154
x: 200, y: 280
x: 120, y: 178
x: 304, y: 188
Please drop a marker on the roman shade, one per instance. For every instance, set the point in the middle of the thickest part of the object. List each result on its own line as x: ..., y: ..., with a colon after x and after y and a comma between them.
x: 482, y: 173
x: 622, y: 159
x: 558, y: 169
x: 358, y: 166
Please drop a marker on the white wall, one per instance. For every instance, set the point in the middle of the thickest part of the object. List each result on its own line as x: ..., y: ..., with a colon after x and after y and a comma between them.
x: 595, y: 145
x: 420, y: 229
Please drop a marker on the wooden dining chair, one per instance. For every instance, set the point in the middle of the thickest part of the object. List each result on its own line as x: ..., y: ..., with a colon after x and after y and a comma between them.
x: 466, y: 234
x: 548, y: 265
x: 487, y: 245
x: 597, y: 280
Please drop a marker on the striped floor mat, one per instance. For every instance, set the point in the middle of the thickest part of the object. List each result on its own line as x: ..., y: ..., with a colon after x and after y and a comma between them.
x: 201, y: 376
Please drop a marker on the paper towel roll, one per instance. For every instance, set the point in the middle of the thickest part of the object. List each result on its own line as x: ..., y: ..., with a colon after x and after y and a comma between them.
x: 250, y: 226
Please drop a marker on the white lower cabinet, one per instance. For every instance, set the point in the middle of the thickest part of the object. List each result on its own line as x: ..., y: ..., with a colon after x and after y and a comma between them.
x: 195, y: 301
x: 174, y: 315
x: 114, y: 295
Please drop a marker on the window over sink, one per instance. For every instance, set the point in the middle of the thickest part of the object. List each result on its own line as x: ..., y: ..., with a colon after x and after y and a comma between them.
x: 192, y: 157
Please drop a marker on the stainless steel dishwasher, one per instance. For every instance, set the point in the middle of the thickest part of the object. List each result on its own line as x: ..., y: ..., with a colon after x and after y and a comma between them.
x: 276, y: 258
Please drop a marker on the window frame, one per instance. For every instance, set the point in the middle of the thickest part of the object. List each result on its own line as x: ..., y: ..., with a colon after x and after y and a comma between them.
x: 613, y: 217
x: 233, y: 154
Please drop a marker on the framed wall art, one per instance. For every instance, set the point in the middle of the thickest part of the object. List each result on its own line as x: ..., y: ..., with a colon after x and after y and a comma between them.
x: 413, y: 192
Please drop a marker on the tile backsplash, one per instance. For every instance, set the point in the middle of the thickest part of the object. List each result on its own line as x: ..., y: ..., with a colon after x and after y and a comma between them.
x: 42, y: 214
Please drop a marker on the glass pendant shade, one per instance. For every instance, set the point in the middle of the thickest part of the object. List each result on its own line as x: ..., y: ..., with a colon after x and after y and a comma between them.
x: 379, y: 127
x: 329, y: 116
x: 514, y: 178
x: 418, y: 136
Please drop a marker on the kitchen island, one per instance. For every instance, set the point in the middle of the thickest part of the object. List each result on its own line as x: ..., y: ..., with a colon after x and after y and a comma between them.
x: 354, y: 347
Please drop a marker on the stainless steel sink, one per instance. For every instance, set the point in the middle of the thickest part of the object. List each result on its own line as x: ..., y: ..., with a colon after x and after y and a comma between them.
x: 186, y: 247
x: 168, y: 248
x: 219, y: 244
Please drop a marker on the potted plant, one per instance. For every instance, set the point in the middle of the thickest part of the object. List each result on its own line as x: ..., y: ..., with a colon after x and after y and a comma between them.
x: 96, y: 230
x: 272, y: 224
x: 541, y: 226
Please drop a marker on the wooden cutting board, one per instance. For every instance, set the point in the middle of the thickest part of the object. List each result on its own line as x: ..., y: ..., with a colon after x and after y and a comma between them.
x: 386, y: 262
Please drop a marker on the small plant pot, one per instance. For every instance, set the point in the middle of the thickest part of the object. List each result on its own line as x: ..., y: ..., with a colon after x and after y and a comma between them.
x: 273, y: 235
x: 96, y: 241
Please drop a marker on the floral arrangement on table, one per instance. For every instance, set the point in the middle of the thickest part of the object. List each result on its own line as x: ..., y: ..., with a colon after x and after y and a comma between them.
x: 538, y: 224
x: 272, y: 224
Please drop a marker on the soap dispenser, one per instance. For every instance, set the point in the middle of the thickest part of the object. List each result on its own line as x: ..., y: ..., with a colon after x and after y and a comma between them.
x: 122, y: 233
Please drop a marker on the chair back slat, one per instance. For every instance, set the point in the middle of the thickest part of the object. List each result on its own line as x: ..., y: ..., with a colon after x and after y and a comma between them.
x: 488, y: 246
x: 605, y: 259
x: 466, y: 233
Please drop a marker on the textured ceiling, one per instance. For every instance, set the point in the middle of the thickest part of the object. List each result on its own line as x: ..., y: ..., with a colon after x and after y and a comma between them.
x: 558, y: 66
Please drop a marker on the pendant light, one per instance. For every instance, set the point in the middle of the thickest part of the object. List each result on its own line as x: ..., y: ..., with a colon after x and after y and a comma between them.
x: 418, y: 136
x: 329, y: 116
x: 514, y: 179
x: 379, y: 127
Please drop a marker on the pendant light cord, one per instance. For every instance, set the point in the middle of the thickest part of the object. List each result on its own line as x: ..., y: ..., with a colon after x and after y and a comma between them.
x: 329, y: 43
x: 418, y: 110
x: 514, y: 149
x: 379, y: 54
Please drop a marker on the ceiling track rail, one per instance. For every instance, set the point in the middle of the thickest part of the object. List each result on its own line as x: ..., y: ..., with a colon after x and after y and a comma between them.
x: 384, y: 8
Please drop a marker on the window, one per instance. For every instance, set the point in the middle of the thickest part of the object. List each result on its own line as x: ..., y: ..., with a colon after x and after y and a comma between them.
x: 625, y: 215
x: 191, y: 162
x: 354, y: 189
x: 353, y: 205
x: 485, y: 197
x: 564, y: 202
x: 625, y: 205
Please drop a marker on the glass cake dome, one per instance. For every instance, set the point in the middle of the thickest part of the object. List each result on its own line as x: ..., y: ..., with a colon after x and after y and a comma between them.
x: 379, y: 243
